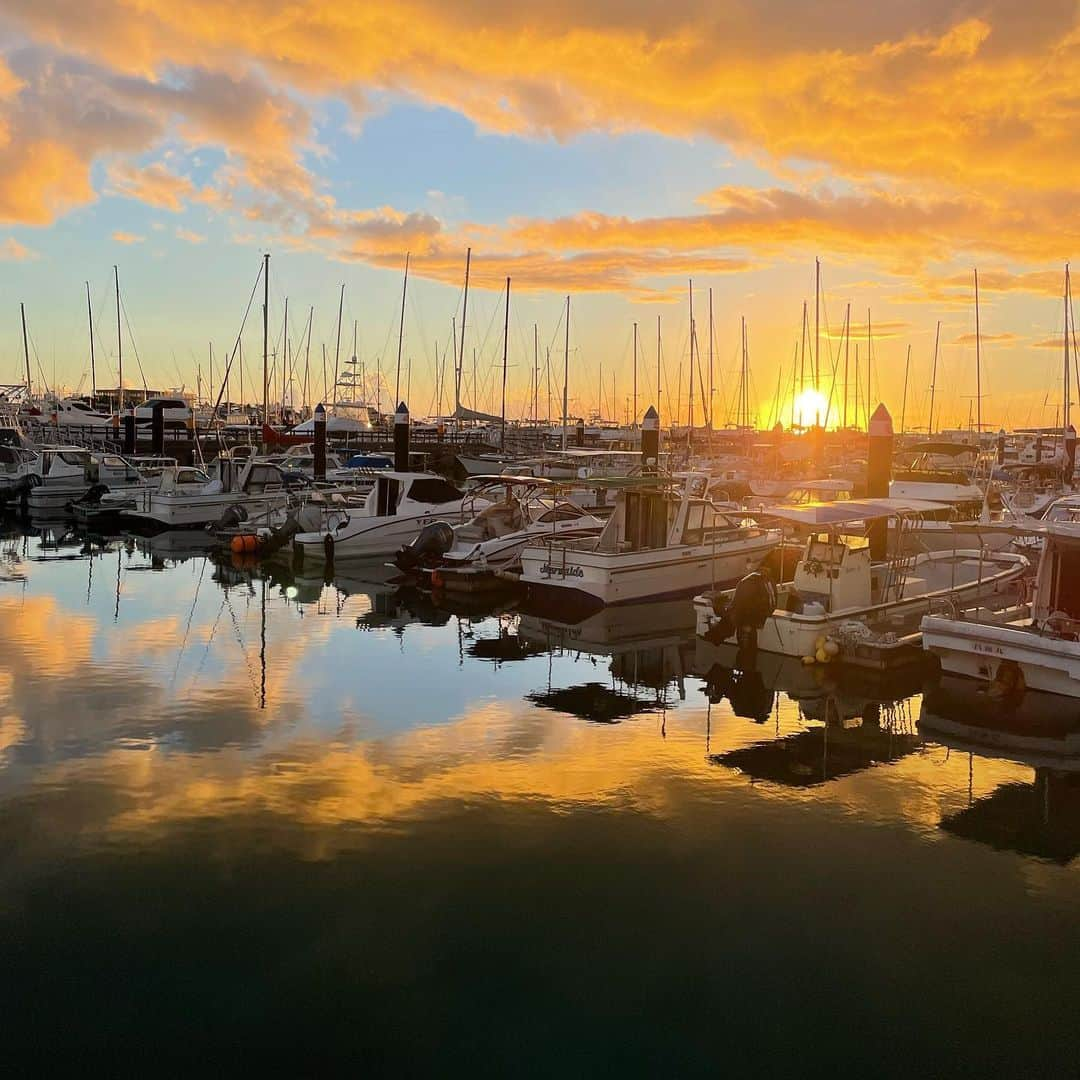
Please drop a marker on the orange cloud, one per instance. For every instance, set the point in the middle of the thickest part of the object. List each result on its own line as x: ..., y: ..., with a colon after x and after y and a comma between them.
x: 12, y: 251
x: 970, y: 339
x: 190, y: 237
x: 122, y: 237
x: 153, y: 185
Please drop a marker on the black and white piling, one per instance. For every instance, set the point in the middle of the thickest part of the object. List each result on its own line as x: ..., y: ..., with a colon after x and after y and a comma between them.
x: 1070, y: 454
x: 878, y: 476
x: 319, y: 424
x: 579, y: 434
x: 650, y: 441
x: 1001, y: 447
x: 401, y: 438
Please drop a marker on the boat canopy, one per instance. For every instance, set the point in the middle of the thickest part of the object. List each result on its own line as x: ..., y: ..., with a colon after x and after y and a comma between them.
x: 943, y: 449
x: 849, y: 511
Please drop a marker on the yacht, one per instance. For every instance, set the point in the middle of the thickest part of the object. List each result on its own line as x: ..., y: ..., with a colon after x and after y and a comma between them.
x: 840, y: 592
x: 661, y: 540
x: 1038, y: 652
x: 396, y: 508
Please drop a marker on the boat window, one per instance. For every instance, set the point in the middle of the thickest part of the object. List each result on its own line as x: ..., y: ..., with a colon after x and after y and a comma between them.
x: 74, y: 457
x: 1067, y: 586
x: 433, y: 490
x: 695, y: 523
x: 191, y: 476
x: 562, y: 512
x: 262, y: 476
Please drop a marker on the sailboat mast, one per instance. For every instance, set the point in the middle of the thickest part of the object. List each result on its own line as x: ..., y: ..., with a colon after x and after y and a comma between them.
x: 690, y: 395
x: 26, y: 347
x: 506, y: 343
x: 817, y: 327
x: 635, y: 373
x: 903, y: 406
x: 266, y: 339
x: 119, y: 337
x: 337, y: 346
x: 847, y: 351
x: 978, y: 363
x: 536, y: 371
x: 401, y: 331
x: 869, y: 347
x: 933, y: 380
x: 709, y: 411
x: 1065, y: 335
x: 566, y: 377
x: 464, y: 313
x: 284, y: 359
x: 93, y: 369
x: 657, y: 365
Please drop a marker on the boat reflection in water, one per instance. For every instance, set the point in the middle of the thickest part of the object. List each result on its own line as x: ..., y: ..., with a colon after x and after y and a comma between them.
x: 1040, y: 818
x: 860, y: 718
x: 650, y: 647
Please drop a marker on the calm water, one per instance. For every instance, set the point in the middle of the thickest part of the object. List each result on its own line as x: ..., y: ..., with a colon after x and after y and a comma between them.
x: 257, y: 811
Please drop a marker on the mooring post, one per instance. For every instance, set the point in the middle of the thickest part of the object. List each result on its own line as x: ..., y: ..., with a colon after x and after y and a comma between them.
x: 401, y: 438
x: 320, y: 441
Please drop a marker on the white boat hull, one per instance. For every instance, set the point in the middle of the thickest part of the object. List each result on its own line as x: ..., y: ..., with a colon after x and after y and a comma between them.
x: 978, y: 651
x: 607, y: 577
x: 363, y: 537
x: 175, y: 511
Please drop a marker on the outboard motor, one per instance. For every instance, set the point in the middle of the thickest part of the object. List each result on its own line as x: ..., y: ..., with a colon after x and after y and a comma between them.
x: 92, y: 495
x: 233, y: 516
x: 431, y: 544
x: 753, y: 601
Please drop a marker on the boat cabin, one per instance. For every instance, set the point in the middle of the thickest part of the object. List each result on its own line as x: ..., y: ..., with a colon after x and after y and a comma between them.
x: 652, y: 514
x: 392, y: 491
x: 1056, y: 601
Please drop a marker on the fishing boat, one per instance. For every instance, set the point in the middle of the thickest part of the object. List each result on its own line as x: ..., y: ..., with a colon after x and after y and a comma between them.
x: 512, y: 512
x: 1039, y: 652
x: 840, y: 591
x: 661, y: 540
x: 394, y: 511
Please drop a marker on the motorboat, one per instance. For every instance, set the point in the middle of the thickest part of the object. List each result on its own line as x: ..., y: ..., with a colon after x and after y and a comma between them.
x: 840, y: 592
x: 187, y: 496
x: 663, y: 539
x: 394, y: 511
x: 512, y: 512
x: 80, y: 413
x: 64, y: 473
x: 17, y: 464
x: 1039, y: 652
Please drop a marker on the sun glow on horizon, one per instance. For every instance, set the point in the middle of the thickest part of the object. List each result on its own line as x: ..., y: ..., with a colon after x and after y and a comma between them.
x: 810, y: 408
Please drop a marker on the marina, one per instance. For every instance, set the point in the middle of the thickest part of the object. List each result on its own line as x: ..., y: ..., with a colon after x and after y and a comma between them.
x: 540, y: 541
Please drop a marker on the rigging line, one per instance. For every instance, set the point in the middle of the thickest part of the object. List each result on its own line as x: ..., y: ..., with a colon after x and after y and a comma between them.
x: 209, y: 642
x: 131, y: 338
x: 187, y: 626
x: 243, y: 647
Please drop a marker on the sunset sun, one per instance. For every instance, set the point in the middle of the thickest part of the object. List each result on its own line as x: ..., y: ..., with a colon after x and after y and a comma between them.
x: 810, y: 408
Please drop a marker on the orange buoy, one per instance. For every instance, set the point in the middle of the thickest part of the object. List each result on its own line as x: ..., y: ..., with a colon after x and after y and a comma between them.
x: 237, y: 544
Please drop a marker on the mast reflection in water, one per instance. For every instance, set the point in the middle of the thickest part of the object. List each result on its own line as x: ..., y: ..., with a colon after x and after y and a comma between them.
x: 249, y: 806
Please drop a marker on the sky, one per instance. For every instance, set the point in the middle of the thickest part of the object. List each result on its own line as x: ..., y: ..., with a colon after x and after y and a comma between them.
x: 610, y: 152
